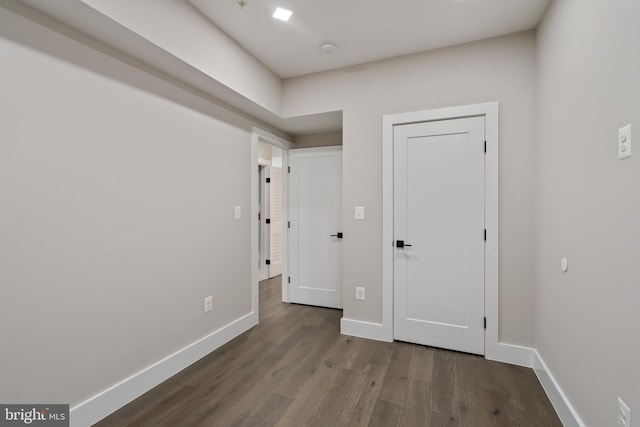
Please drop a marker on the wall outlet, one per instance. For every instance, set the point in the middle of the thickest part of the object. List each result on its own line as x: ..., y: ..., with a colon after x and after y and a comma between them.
x: 208, y: 304
x: 360, y: 294
x: 624, y: 414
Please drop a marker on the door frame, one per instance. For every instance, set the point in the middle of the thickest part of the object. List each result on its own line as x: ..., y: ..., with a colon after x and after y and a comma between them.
x: 489, y: 111
x: 260, y: 135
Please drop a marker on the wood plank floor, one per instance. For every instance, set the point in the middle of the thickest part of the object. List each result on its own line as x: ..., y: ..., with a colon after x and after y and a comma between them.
x: 295, y: 369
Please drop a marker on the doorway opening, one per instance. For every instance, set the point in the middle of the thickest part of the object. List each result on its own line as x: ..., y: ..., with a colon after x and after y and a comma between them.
x: 269, y: 154
x: 271, y: 211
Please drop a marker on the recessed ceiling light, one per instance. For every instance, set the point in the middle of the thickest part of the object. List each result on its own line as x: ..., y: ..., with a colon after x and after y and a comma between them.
x: 282, y: 14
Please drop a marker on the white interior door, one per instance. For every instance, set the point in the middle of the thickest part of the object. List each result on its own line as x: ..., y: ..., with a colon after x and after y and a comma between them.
x: 272, y: 207
x: 439, y: 218
x: 276, y: 218
x: 315, y: 215
x: 263, y: 229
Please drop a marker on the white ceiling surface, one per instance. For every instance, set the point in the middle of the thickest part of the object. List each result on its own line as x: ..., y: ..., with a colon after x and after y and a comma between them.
x: 362, y: 30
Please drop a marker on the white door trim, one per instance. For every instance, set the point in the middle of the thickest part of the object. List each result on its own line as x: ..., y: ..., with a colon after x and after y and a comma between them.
x: 490, y: 111
x: 260, y: 135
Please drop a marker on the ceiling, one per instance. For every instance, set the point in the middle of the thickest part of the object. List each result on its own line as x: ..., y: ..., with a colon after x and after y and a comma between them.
x: 362, y: 30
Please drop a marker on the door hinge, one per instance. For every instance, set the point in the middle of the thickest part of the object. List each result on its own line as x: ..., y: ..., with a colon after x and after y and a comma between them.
x: 288, y: 279
x: 268, y: 262
x: 485, y: 322
x: 288, y: 169
x: 268, y: 221
x: 485, y: 146
x: 268, y: 180
x: 288, y: 224
x: 485, y: 234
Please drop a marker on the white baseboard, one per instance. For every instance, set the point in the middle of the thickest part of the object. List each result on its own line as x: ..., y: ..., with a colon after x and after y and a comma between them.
x: 512, y: 354
x: 358, y: 328
x: 561, y: 404
x: 107, y: 401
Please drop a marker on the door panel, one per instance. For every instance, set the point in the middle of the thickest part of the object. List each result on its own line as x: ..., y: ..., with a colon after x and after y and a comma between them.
x: 276, y: 219
x: 315, y: 209
x: 439, y: 212
x: 263, y: 228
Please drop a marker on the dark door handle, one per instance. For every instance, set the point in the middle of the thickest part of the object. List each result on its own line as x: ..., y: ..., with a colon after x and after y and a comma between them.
x: 339, y: 235
x: 401, y: 244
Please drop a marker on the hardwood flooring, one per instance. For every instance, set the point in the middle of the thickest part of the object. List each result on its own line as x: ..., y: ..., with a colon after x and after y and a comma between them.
x: 295, y: 369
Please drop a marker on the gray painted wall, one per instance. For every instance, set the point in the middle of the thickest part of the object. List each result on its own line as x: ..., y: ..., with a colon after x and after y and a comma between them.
x: 323, y: 139
x: 116, y: 217
x: 500, y: 69
x: 588, y: 204
x: 175, y: 25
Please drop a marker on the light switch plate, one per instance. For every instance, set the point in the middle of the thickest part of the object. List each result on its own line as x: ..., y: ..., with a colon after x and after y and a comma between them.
x: 624, y: 414
x: 624, y: 142
x: 238, y: 212
x: 360, y: 293
x: 359, y: 214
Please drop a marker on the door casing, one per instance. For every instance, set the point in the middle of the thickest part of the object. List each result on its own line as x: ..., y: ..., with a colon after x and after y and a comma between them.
x: 489, y: 111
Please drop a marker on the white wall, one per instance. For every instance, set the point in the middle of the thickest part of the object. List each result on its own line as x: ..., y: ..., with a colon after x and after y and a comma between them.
x: 588, y: 204
x: 501, y: 69
x: 264, y: 153
x: 116, y: 217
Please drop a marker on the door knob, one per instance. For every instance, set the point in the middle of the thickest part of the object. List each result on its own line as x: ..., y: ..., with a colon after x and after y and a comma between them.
x: 339, y: 235
x: 401, y: 244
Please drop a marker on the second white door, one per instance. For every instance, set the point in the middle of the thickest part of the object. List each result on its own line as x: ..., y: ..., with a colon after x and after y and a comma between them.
x: 315, y: 221
x: 439, y: 234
